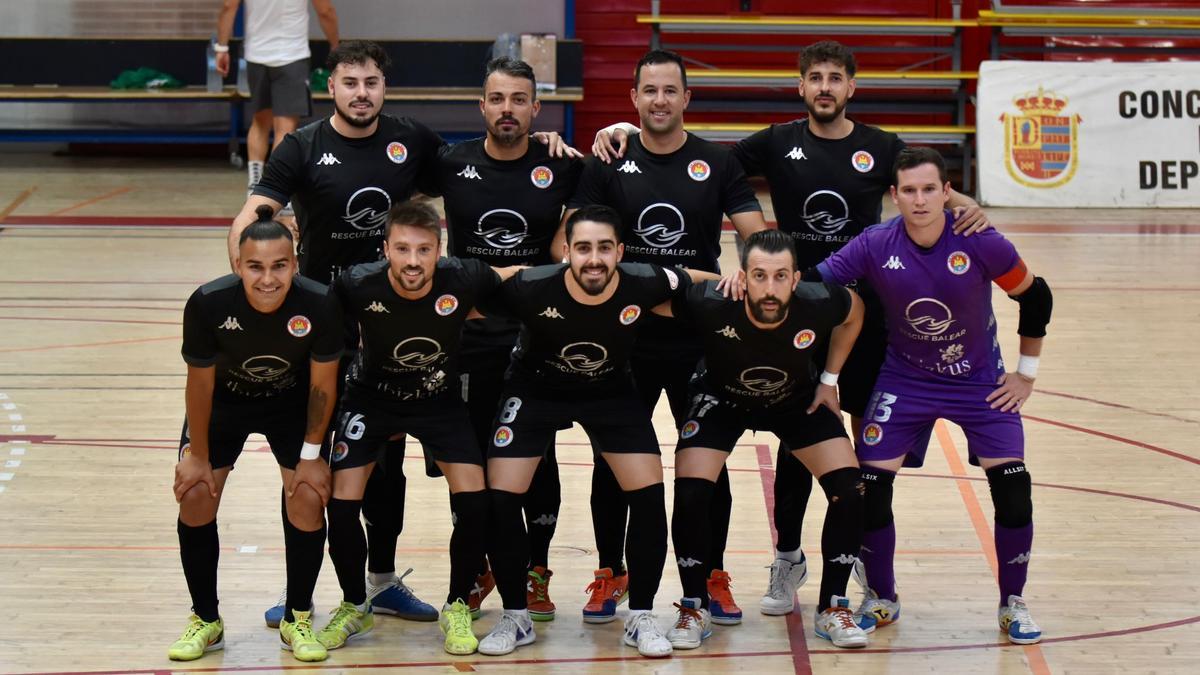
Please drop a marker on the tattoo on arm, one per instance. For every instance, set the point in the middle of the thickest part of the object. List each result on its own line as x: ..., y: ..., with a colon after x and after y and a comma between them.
x: 317, y: 400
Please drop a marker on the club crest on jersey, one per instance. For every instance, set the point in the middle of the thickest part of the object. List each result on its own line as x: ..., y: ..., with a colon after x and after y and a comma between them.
x: 503, y: 437
x: 804, y: 339
x: 958, y: 262
x: 699, y: 170
x: 862, y: 161
x: 690, y: 428
x: 340, y: 450
x: 541, y: 176
x: 299, y: 325
x: 630, y: 314
x: 445, y: 305
x: 397, y: 152
x: 872, y: 434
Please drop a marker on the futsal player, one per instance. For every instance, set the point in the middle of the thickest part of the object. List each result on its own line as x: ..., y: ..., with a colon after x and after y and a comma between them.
x: 671, y: 190
x: 760, y: 372
x: 944, y: 361
x: 262, y: 348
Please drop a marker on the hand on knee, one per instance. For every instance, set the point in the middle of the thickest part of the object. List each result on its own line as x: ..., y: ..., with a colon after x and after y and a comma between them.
x: 197, y: 507
x: 305, y: 511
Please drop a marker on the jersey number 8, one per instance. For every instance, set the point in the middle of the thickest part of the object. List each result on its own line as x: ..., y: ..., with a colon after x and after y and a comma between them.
x: 508, y: 412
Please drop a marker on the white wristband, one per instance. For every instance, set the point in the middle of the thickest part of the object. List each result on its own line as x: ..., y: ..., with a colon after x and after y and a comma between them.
x: 829, y: 379
x: 220, y: 49
x: 310, y: 451
x: 1028, y: 366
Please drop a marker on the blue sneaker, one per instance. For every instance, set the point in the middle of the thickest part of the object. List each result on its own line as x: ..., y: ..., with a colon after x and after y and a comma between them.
x: 397, y: 599
x: 275, y: 614
x: 1017, y: 624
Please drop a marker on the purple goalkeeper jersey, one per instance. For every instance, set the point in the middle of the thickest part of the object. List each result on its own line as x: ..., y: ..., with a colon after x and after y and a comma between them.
x: 938, y: 301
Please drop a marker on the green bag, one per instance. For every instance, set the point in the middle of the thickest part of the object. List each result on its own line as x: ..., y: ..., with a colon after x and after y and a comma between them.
x: 145, y: 78
x: 319, y: 80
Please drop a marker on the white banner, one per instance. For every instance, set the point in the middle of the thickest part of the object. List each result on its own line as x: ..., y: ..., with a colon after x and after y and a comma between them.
x: 1089, y: 134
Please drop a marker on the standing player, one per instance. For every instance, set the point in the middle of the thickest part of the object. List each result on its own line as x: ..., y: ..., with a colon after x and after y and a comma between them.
x: 411, y: 309
x: 760, y: 372
x: 827, y: 175
x: 670, y: 191
x: 944, y: 360
x: 276, y: 51
x: 343, y: 174
x: 261, y: 350
x: 504, y: 200
x: 579, y: 321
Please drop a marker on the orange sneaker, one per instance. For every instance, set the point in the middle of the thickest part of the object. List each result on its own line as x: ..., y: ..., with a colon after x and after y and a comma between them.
x: 720, y: 600
x: 484, y: 584
x: 537, y: 594
x: 607, y: 592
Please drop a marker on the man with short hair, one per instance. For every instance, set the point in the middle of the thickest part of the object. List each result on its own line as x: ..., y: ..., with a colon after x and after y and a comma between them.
x: 943, y: 361
x: 262, y: 347
x: 276, y: 53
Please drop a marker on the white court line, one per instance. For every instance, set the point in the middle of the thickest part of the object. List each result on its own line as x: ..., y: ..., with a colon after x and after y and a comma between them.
x: 15, y: 417
x: 10, y: 406
x: 6, y: 476
x: 17, y: 451
x: 19, y: 428
x: 247, y: 549
x: 12, y: 464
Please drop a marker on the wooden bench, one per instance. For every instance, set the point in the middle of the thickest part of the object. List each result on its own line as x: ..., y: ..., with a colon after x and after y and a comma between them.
x: 1038, y: 22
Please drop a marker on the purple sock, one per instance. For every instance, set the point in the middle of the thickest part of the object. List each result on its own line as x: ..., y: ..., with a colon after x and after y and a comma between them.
x: 878, y: 553
x: 1013, y: 545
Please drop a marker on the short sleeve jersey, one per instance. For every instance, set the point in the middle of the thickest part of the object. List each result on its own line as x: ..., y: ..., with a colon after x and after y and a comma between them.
x: 260, y: 355
x: 937, y: 301
x: 342, y: 188
x: 824, y: 191
x: 671, y: 205
x: 503, y: 212
x: 755, y: 367
x: 410, y: 347
x: 574, y: 350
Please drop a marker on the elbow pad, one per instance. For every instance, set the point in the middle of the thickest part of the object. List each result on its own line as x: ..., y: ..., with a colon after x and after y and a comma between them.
x: 1036, y: 304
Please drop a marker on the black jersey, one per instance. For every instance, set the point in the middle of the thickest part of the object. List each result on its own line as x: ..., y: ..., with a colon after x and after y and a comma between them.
x: 671, y: 205
x: 410, y: 347
x: 575, y: 350
x: 342, y: 188
x: 504, y: 212
x: 754, y: 367
x: 825, y: 192
x: 259, y: 355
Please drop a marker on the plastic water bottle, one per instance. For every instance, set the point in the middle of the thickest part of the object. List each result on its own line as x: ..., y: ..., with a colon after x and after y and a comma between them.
x: 213, y: 83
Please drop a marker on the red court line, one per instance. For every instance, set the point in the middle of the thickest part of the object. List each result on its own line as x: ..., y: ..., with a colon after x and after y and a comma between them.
x: 95, y: 282
x: 1113, y: 437
x: 87, y: 344
x: 17, y: 201
x: 1119, y: 406
x: 78, y: 320
x: 111, y: 221
x: 93, y: 200
x: 134, y: 307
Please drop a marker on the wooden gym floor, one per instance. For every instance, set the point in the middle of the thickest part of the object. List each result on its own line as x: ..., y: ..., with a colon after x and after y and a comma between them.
x: 97, y: 257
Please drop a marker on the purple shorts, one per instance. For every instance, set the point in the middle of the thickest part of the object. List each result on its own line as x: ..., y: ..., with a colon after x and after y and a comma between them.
x: 903, y: 409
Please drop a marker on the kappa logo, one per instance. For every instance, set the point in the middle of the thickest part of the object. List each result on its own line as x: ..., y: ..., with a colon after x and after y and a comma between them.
x: 928, y: 316
x: 825, y: 212
x: 687, y: 562
x: 729, y: 332
x: 844, y: 559
x: 328, y: 159
x: 551, y: 313
x: 545, y: 519
x: 629, y: 166
x: 502, y: 228
x: 1022, y: 559
x: 660, y: 225
x: 584, y: 357
x: 470, y: 173
x: 377, y: 307
x: 764, y: 379
x: 417, y: 353
x: 231, y: 323
x: 893, y: 263
x: 367, y: 209
x: 796, y: 153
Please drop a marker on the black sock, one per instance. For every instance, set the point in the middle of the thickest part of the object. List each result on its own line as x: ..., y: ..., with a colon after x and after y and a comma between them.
x: 610, y: 511
x: 793, y: 485
x: 509, y: 547
x: 647, y: 548
x: 383, y: 508
x: 841, y: 535
x: 199, y: 550
x: 719, y: 511
x: 469, y: 513
x: 692, y: 536
x: 348, y: 548
x: 304, y: 552
x: 541, y: 509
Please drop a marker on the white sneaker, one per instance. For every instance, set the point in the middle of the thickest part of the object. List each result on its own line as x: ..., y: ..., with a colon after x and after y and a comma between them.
x: 874, y: 607
x: 1017, y: 624
x: 693, y: 625
x: 642, y: 631
x: 515, y: 629
x: 837, y: 625
x: 786, y: 578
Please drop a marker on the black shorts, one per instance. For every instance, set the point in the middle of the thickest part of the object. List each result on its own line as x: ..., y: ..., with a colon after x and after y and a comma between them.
x: 282, y: 89
x: 527, y: 420
x: 282, y: 421
x: 857, y: 379
x: 718, y: 424
x: 367, y: 421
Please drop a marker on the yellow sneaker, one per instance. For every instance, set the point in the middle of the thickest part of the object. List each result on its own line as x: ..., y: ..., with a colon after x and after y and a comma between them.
x: 348, y: 622
x: 455, y: 623
x: 201, y: 636
x: 298, y: 638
